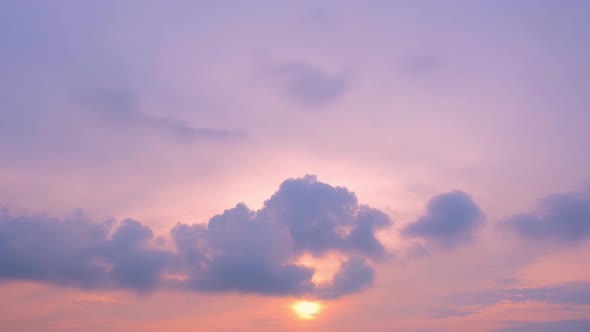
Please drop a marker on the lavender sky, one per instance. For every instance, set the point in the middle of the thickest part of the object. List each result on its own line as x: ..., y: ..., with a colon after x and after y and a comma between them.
x: 411, y: 166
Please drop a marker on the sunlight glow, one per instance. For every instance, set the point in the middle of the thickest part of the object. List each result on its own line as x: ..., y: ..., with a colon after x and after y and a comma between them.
x: 324, y: 267
x: 306, y: 309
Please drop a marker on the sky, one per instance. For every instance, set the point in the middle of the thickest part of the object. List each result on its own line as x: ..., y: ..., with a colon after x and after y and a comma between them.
x: 408, y: 166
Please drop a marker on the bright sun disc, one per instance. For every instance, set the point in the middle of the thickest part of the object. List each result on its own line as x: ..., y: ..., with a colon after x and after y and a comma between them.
x: 306, y: 309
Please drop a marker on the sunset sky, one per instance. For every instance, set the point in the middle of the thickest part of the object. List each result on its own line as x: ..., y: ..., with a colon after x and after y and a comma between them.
x: 333, y: 166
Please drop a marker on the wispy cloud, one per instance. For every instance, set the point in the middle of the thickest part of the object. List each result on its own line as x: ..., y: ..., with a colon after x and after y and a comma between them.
x: 121, y: 108
x: 308, y: 84
x: 561, y: 326
x: 570, y: 293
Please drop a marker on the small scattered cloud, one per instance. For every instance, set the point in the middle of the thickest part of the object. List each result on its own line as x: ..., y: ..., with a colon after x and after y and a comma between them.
x: 451, y: 219
x: 307, y: 83
x: 417, y: 64
x: 562, y: 219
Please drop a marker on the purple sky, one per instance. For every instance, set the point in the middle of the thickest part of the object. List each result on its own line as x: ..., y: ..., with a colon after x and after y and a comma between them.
x: 419, y: 166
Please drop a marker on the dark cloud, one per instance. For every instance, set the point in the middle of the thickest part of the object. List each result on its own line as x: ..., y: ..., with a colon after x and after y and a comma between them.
x: 239, y: 250
x: 320, y: 218
x: 253, y: 251
x: 561, y: 218
x: 133, y: 265
x: 353, y: 276
x: 561, y: 326
x: 451, y: 219
x: 309, y: 84
x: 571, y: 293
x: 566, y: 294
x: 76, y: 252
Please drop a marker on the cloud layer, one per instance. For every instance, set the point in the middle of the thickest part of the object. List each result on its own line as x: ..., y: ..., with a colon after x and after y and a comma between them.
x: 239, y: 250
x: 561, y: 326
x: 570, y: 293
x: 77, y: 252
x: 121, y: 108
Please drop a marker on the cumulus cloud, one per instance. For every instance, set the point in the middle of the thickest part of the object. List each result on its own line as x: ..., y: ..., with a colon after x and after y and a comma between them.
x: 320, y: 218
x: 353, y: 276
x: 237, y: 251
x: 309, y: 84
x: 254, y: 251
x: 560, y: 219
x: 240, y: 250
x: 77, y: 252
x: 451, y: 219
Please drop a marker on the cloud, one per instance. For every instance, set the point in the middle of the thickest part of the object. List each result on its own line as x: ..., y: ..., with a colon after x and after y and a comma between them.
x: 567, y: 294
x: 353, y: 276
x: 451, y: 220
x: 560, y: 219
x: 447, y: 313
x: 320, y: 218
x: 308, y: 84
x: 240, y: 250
x: 121, y: 107
x: 253, y: 251
x: 79, y: 253
x: 132, y: 265
x: 561, y: 326
x: 571, y: 293
x: 419, y: 64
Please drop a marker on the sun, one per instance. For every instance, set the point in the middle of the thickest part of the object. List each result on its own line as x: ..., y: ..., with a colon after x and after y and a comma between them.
x: 306, y: 309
